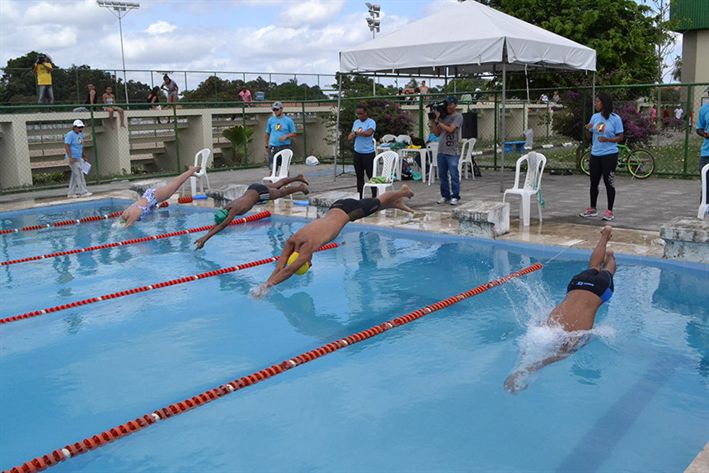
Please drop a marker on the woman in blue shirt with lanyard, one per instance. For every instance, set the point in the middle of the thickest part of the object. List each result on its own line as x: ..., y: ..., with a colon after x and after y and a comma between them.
x: 607, y: 130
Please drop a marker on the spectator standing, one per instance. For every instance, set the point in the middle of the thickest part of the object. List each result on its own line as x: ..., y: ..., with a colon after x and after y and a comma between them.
x: 703, y: 131
x: 43, y: 71
x: 245, y: 95
x: 653, y: 115
x: 556, y: 98
x: 607, y: 130
x: 448, y: 131
x: 154, y: 100
x: 110, y: 99
x: 170, y: 86
x: 363, y: 135
x: 280, y: 128
x: 90, y: 95
x: 679, y: 114
x: 423, y: 88
x: 74, y: 154
x: 544, y: 98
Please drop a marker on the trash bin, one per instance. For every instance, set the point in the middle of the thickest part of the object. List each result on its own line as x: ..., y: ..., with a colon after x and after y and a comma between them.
x: 260, y: 96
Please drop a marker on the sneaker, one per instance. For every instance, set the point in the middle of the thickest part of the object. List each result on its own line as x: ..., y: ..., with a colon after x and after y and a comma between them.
x: 455, y: 201
x: 589, y: 212
x: 72, y: 196
x: 442, y: 200
x: 86, y: 194
x: 608, y: 215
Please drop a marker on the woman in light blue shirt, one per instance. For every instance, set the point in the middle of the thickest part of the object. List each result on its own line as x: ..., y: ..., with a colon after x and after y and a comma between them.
x: 607, y: 130
x: 363, y: 135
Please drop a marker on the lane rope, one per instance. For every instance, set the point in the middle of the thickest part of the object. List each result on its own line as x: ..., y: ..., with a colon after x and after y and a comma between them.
x: 149, y: 287
x: 73, y: 221
x: 239, y: 221
x: 122, y: 430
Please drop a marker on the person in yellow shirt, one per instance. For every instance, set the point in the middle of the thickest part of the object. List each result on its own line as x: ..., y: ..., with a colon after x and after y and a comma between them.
x: 43, y: 70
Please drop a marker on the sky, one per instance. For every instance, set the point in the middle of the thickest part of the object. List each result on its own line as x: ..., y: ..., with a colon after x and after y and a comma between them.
x: 208, y: 35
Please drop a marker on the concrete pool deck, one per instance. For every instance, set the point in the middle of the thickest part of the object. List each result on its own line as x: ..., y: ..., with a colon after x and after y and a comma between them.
x: 641, y: 206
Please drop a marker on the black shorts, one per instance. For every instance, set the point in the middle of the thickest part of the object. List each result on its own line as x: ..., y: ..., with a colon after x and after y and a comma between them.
x: 356, y: 209
x: 598, y: 282
x: 264, y: 194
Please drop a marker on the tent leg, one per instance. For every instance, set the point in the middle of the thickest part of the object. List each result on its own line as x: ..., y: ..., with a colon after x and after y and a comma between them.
x: 336, y: 146
x: 502, y: 125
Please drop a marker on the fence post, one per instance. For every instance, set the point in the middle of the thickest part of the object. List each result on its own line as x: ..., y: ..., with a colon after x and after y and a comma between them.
x: 421, y: 117
x: 246, y: 142
x: 177, y: 137
x: 690, y: 91
x: 494, y: 145
x: 305, y: 135
x: 95, y: 143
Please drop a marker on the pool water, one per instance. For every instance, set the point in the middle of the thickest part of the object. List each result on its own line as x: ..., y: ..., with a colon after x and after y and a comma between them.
x: 424, y: 397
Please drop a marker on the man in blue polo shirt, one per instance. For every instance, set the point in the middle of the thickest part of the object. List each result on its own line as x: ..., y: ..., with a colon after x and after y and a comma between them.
x: 703, y: 131
x: 363, y: 135
x: 279, y: 131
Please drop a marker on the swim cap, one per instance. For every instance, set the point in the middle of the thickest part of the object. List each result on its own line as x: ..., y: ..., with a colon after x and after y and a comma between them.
x: 220, y: 215
x: 303, y: 269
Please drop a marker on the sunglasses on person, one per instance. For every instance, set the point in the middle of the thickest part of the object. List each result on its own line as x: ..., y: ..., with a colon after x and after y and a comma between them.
x: 275, y: 109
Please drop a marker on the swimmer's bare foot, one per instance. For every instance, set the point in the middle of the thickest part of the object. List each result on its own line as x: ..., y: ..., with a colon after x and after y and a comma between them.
x: 406, y: 191
x: 607, y: 232
x: 303, y: 188
x: 301, y: 178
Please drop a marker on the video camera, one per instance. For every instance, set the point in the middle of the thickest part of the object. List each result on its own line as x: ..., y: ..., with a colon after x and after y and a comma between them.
x: 42, y: 58
x: 441, y: 107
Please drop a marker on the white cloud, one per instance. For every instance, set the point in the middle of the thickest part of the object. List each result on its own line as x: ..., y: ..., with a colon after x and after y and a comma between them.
x: 311, y: 12
x: 85, y: 14
x: 160, y: 27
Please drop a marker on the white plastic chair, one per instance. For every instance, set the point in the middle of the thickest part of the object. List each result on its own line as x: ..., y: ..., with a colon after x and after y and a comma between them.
x: 403, y: 139
x: 390, y: 162
x: 203, y: 159
x: 388, y: 138
x: 466, y: 159
x: 532, y: 184
x: 704, y: 206
x: 432, y: 152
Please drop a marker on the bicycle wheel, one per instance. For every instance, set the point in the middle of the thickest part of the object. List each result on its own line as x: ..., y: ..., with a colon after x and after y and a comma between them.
x: 584, y: 163
x: 641, y: 164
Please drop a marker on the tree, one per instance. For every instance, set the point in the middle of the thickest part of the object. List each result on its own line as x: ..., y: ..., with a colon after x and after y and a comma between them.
x: 623, y: 33
x: 216, y: 89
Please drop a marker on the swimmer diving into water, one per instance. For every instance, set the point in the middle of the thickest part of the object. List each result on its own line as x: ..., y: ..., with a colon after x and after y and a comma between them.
x: 577, y: 312
x: 255, y: 193
x: 151, y: 199
x: 323, y: 230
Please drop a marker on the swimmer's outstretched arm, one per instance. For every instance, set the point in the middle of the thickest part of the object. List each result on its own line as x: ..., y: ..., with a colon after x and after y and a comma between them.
x: 283, y: 270
x: 233, y: 212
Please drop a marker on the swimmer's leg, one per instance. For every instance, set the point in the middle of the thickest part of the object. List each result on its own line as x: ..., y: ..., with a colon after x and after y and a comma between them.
x: 609, y: 263
x: 287, y: 180
x: 395, y: 199
x: 164, y: 192
x: 277, y: 193
x: 599, y: 253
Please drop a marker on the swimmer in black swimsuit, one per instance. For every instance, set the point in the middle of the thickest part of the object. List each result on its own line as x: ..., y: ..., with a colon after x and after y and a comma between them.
x: 323, y: 230
x: 255, y: 193
x: 577, y: 312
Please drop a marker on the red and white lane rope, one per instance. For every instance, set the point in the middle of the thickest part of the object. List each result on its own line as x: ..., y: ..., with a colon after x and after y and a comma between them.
x: 239, y: 221
x: 65, y: 223
x: 149, y: 287
x: 114, y: 433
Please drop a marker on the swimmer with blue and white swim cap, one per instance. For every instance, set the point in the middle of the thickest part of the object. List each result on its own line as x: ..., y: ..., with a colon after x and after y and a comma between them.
x: 576, y: 314
x: 152, y: 198
x: 255, y: 194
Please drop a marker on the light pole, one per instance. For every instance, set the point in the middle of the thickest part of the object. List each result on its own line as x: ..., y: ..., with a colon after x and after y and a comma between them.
x: 373, y: 22
x: 120, y: 9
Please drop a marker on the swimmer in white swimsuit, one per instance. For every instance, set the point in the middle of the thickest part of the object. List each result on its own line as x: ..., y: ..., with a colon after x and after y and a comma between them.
x: 151, y: 198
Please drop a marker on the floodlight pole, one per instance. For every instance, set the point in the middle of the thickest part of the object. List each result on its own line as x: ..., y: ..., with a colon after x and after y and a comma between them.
x: 120, y: 9
x: 373, y: 22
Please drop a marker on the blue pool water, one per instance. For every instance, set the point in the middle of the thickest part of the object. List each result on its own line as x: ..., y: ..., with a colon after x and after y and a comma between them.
x: 425, y: 397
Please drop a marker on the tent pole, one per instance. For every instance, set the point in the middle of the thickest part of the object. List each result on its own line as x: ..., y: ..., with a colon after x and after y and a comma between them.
x: 337, y: 127
x: 593, y: 90
x: 502, y: 125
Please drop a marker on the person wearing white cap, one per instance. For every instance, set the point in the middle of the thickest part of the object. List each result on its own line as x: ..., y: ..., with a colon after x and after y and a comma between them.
x: 74, y: 153
x: 279, y: 131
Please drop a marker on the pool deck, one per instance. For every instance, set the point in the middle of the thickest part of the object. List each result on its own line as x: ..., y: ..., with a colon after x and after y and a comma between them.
x: 641, y: 206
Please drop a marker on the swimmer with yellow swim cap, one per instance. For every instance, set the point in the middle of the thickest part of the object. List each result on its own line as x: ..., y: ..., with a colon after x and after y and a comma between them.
x: 300, y: 247
x: 255, y: 194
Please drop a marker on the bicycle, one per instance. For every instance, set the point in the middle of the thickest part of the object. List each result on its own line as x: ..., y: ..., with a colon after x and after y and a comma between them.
x: 639, y: 162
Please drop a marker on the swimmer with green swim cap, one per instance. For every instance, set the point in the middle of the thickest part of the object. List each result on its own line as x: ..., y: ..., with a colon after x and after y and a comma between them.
x: 315, y: 234
x: 255, y: 193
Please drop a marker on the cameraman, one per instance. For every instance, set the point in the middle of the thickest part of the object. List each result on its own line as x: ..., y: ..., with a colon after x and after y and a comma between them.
x: 448, y: 131
x: 43, y: 70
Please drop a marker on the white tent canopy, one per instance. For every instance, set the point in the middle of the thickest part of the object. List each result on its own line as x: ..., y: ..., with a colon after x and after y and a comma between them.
x: 469, y: 37
x: 462, y: 38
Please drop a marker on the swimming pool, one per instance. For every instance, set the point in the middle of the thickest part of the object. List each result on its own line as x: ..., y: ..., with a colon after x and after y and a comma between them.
x: 426, y: 396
